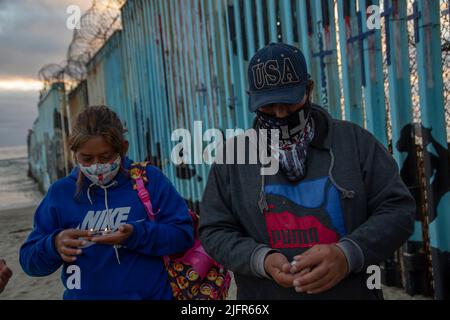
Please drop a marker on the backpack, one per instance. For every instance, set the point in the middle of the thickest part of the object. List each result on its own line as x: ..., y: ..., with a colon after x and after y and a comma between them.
x: 193, y: 275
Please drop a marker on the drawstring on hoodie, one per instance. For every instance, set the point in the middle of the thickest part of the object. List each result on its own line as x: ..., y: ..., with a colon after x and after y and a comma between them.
x: 262, y: 203
x: 108, y: 213
x: 346, y: 194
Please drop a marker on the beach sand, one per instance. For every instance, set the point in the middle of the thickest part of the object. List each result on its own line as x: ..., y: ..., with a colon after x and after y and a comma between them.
x: 19, y: 197
x: 15, y: 226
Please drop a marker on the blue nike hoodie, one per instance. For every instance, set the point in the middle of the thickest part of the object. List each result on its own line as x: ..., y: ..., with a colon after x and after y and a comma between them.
x: 97, y: 273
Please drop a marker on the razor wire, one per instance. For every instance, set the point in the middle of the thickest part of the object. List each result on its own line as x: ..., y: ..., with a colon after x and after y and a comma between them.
x: 94, y: 28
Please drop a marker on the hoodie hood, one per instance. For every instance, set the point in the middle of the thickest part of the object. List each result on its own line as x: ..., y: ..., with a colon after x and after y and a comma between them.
x: 323, y: 128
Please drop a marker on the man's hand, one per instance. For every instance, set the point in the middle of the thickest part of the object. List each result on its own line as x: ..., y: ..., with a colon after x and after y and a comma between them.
x: 277, y: 266
x: 116, y: 238
x: 328, y: 266
x: 5, y: 275
x: 68, y: 243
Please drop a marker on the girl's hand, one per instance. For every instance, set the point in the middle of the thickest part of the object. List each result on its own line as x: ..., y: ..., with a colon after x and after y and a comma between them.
x: 68, y: 243
x: 116, y: 238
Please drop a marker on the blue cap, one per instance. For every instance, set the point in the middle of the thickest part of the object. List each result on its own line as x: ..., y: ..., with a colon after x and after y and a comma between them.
x: 277, y: 74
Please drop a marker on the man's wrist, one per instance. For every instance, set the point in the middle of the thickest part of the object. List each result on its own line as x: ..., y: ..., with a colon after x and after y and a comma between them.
x: 353, y: 253
x: 258, y: 261
x: 268, y: 275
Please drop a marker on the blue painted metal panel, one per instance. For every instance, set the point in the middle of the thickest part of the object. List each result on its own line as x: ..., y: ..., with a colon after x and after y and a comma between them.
x: 374, y: 99
x: 436, y: 154
x: 47, y: 150
x: 351, y: 62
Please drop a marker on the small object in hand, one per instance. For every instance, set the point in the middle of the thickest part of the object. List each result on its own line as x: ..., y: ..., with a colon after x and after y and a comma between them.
x: 293, y: 264
x: 98, y: 233
x: 107, y: 231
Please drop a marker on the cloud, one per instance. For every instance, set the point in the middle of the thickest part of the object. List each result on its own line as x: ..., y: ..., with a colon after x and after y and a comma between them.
x: 20, y: 84
x: 32, y: 33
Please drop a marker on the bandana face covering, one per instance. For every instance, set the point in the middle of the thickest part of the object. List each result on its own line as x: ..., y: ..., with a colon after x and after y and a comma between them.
x: 296, y: 132
x: 101, y: 174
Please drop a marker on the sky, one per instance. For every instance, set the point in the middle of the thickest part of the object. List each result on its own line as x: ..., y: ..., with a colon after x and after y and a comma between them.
x: 33, y: 33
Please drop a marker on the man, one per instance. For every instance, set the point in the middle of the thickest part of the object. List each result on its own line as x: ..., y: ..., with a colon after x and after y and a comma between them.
x: 5, y: 275
x: 336, y: 206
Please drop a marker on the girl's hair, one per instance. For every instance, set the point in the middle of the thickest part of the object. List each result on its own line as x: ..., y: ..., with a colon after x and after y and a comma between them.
x: 93, y: 122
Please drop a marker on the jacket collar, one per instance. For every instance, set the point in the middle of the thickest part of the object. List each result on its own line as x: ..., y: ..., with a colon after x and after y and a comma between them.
x: 323, y: 127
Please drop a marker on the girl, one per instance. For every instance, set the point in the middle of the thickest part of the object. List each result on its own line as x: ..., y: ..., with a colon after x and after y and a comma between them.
x: 94, y: 225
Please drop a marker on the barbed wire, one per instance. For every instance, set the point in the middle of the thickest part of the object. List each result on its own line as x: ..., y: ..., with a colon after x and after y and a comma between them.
x: 96, y: 25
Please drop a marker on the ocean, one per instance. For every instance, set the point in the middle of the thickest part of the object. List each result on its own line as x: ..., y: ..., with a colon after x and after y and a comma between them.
x: 17, y: 190
x: 18, y: 110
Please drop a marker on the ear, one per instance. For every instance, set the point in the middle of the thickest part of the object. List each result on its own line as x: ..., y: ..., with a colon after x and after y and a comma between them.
x: 310, y: 87
x: 74, y: 158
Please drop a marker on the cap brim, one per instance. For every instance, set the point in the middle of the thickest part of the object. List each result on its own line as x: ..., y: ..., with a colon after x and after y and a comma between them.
x: 285, y: 95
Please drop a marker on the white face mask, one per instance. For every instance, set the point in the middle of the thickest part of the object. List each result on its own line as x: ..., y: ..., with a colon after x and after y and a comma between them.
x: 101, y: 174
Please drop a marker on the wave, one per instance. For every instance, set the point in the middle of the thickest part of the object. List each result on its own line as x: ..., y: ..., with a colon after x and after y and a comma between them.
x: 14, y: 152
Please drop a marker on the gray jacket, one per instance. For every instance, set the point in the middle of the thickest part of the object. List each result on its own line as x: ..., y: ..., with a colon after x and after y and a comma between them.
x: 367, y: 209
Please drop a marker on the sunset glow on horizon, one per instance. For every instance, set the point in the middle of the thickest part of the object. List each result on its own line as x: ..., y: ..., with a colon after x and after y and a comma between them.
x: 20, y: 84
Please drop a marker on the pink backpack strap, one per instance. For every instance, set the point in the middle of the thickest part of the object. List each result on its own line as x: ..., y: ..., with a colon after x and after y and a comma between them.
x: 195, y: 256
x: 145, y: 198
